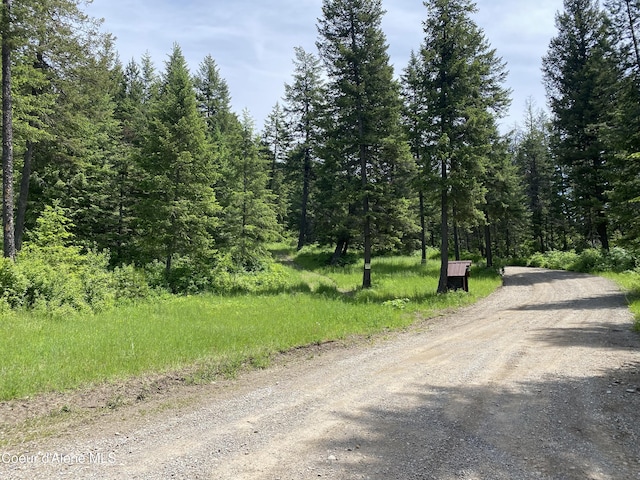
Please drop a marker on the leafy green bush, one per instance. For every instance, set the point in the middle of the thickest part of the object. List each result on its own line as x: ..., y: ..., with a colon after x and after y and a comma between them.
x: 53, y: 276
x: 554, y: 260
x: 13, y: 284
x: 131, y: 283
x: 621, y: 260
x: 589, y: 260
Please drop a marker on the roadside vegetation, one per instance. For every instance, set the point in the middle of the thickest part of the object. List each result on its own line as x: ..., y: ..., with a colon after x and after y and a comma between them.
x: 299, y: 301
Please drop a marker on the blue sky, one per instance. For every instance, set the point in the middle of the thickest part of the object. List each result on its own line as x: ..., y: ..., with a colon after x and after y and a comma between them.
x: 252, y: 41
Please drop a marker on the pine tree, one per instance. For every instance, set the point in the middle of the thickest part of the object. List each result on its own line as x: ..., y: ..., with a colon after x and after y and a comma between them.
x: 132, y: 110
x: 533, y: 158
x: 363, y: 150
x: 276, y: 139
x: 462, y: 80
x: 178, y: 209
x: 214, y: 99
x: 506, y: 215
x: 304, y: 105
x: 248, y: 217
x: 58, y: 50
x: 579, y: 73
x: 414, y: 114
x: 625, y: 178
x: 7, y: 133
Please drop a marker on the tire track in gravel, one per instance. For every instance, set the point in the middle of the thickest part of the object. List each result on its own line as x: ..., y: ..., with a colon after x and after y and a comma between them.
x: 540, y: 380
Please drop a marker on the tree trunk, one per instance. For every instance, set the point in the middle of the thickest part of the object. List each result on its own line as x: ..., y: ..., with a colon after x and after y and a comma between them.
x: 366, y: 274
x: 603, y: 234
x: 337, y: 253
x: 306, y: 180
x: 636, y: 48
x: 7, y: 137
x: 456, y: 241
x: 23, y: 197
x: 487, y: 242
x: 423, y: 233
x: 444, y: 248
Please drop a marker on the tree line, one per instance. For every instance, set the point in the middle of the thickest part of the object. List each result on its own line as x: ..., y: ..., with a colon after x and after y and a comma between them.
x: 154, y: 166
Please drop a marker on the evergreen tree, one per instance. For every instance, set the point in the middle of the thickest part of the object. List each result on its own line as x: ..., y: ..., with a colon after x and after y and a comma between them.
x: 625, y: 15
x: 248, y: 217
x: 533, y: 157
x: 414, y: 115
x: 304, y: 99
x: 178, y: 209
x: 505, y: 211
x: 625, y: 179
x: 132, y: 111
x: 462, y: 80
x: 59, y: 54
x: 364, y: 150
x: 579, y: 73
x: 276, y: 138
x: 214, y: 99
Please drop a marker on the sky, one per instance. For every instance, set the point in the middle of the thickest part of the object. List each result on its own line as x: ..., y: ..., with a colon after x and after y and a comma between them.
x: 252, y: 41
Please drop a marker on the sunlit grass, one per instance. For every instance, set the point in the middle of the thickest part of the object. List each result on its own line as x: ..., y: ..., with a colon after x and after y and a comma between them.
x: 218, y: 334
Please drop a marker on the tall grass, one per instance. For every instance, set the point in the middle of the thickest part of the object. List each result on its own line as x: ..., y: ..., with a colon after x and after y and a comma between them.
x: 217, y: 334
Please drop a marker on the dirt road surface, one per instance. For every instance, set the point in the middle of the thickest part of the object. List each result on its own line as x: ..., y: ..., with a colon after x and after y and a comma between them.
x: 539, y: 381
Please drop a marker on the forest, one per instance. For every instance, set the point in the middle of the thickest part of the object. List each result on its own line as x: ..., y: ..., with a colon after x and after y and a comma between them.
x: 122, y: 178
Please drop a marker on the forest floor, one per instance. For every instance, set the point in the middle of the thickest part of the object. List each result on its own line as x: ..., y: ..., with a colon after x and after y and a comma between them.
x: 539, y: 380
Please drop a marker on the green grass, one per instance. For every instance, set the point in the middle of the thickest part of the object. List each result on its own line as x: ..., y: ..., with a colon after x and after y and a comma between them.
x: 214, y: 335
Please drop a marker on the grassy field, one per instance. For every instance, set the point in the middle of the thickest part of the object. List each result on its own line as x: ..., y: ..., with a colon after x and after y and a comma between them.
x: 216, y: 335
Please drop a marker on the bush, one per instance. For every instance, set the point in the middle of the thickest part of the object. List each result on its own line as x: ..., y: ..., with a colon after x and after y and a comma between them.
x: 554, y: 260
x: 620, y: 260
x: 53, y: 276
x: 131, y: 283
x: 588, y: 261
x: 13, y: 284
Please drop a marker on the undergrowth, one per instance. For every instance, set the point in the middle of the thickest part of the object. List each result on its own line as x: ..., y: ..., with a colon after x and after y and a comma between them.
x: 275, y: 310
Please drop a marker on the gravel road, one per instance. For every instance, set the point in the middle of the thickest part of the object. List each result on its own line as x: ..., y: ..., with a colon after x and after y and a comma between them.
x: 539, y: 381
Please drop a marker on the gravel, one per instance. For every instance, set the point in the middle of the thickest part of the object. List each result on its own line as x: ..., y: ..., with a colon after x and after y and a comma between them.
x: 539, y: 381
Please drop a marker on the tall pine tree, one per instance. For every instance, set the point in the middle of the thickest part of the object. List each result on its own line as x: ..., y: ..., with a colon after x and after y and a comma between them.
x: 304, y: 105
x: 248, y: 216
x: 579, y: 74
x: 462, y: 80
x: 364, y: 150
x: 177, y: 212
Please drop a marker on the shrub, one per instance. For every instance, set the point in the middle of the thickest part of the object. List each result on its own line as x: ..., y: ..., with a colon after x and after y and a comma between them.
x: 620, y: 260
x: 131, y: 283
x: 53, y: 276
x: 589, y: 260
x: 13, y: 284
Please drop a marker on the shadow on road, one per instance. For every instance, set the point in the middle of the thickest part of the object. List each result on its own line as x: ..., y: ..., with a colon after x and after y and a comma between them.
x: 574, y: 428
x: 602, y: 335
x: 605, y: 301
x: 516, y: 276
